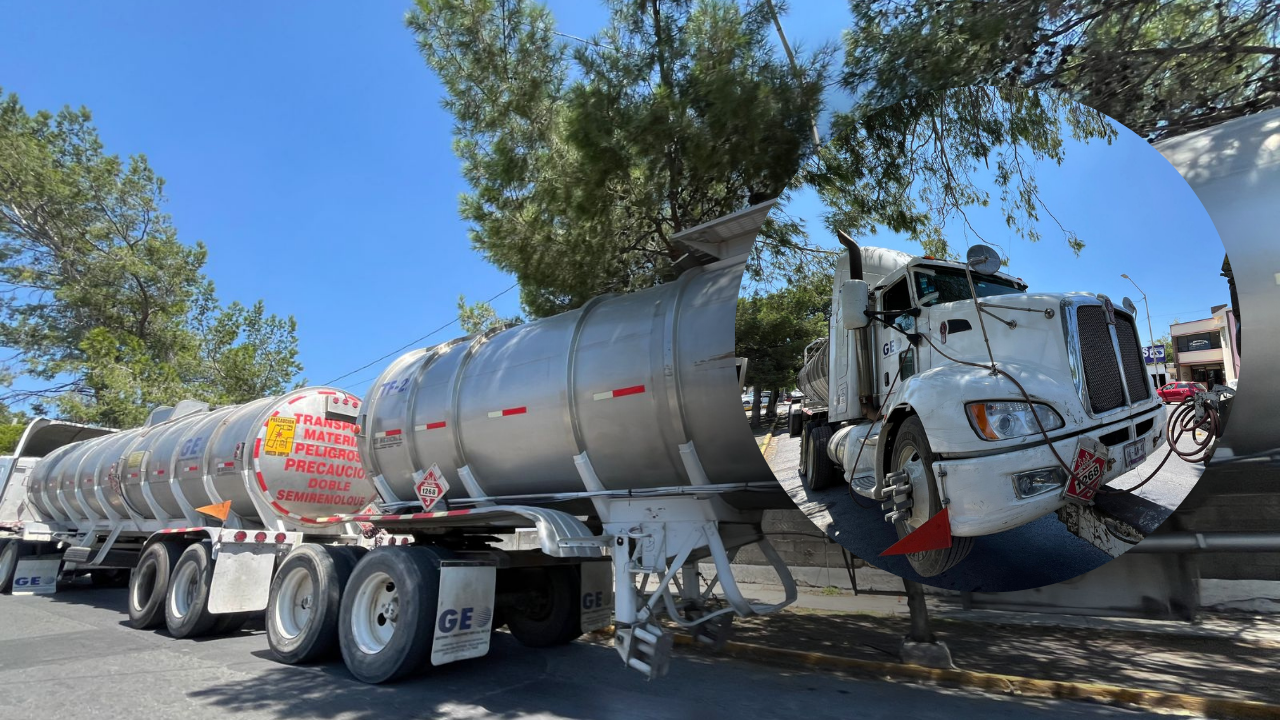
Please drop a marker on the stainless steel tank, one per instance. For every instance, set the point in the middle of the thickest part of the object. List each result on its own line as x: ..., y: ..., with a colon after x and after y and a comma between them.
x: 642, y: 387
x: 294, y: 456
x: 813, y: 378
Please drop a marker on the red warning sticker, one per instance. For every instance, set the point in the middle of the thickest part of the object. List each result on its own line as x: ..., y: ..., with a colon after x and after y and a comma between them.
x: 431, y: 488
x: 1087, y: 469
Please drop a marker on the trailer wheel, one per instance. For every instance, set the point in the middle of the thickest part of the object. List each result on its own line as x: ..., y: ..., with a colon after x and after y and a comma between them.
x: 550, y: 612
x: 186, y: 607
x: 11, y: 551
x: 306, y: 599
x: 149, y: 583
x: 387, y: 622
x: 820, y: 471
x: 911, y: 452
x: 804, y: 449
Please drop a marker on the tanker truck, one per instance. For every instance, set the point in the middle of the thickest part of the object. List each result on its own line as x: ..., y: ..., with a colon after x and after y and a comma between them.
x: 610, y: 434
x: 903, y: 404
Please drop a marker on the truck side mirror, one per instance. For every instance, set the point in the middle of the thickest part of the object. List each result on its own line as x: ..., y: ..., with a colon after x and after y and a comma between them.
x: 853, y: 304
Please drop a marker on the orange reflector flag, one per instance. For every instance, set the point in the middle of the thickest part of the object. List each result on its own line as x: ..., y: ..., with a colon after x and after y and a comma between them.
x: 934, y: 534
x: 220, y: 511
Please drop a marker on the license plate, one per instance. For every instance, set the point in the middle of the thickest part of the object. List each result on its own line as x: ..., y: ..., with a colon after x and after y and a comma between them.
x: 1135, y: 453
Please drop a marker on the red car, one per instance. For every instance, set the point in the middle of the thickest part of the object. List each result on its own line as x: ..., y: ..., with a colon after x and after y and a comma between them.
x: 1176, y: 392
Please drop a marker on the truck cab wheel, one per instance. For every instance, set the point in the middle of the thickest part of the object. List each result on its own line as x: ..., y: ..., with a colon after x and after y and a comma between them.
x: 549, y: 609
x: 149, y: 582
x: 387, y: 622
x: 820, y: 471
x: 306, y: 599
x: 912, y: 454
x: 186, y: 606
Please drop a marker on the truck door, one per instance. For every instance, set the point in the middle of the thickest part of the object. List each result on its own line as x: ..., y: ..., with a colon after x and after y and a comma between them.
x: 894, y: 351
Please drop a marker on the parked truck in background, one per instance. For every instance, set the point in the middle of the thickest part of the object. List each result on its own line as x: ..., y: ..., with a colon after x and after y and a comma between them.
x: 902, y: 404
x: 610, y: 431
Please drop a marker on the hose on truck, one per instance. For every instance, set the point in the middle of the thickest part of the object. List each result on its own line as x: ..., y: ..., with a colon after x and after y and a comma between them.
x: 1181, y: 421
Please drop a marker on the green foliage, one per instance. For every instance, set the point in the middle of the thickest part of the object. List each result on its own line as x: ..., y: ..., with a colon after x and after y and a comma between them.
x: 1161, y: 67
x: 479, y: 316
x: 98, y: 297
x: 584, y: 160
x: 921, y: 162
x: 9, y: 436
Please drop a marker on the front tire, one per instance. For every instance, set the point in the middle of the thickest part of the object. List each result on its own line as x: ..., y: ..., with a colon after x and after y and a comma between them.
x: 387, y: 623
x: 186, y: 606
x: 306, y: 600
x: 912, y: 453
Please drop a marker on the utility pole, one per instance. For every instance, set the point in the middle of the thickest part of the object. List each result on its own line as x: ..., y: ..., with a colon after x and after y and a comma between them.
x: 1146, y: 306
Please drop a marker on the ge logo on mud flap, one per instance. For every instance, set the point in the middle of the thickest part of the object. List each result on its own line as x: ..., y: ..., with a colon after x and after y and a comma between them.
x: 593, y: 600
x: 451, y: 620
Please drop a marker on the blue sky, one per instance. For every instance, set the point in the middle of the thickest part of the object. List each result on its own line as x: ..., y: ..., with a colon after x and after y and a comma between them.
x: 305, y: 145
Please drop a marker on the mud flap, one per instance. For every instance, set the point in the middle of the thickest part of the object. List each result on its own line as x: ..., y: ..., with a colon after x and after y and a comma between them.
x: 597, y: 596
x: 464, y: 613
x: 37, y: 575
x: 242, y: 578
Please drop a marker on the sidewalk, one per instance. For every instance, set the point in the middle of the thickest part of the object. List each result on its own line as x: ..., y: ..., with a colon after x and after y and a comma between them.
x: 1231, y: 656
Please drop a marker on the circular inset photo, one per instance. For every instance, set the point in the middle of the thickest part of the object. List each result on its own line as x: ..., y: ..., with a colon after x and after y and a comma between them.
x: 1009, y: 350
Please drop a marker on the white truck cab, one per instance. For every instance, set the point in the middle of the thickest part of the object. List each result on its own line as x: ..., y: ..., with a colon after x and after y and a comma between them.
x: 913, y: 414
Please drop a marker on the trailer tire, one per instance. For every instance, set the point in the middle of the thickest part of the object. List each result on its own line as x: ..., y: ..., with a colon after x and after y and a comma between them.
x: 11, y: 551
x: 556, y: 619
x: 186, y: 604
x: 306, y: 599
x: 820, y: 471
x: 911, y: 436
x: 406, y: 581
x: 230, y: 622
x: 149, y: 584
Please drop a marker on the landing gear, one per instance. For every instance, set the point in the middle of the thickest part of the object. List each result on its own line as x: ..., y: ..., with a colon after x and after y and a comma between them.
x: 919, y: 499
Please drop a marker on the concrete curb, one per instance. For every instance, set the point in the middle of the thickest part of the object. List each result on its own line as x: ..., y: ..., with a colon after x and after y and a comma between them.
x: 1008, y: 684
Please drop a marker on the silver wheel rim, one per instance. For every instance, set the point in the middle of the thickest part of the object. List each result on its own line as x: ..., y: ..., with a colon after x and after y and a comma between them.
x: 375, y: 612
x: 185, y: 585
x: 8, y: 561
x: 294, y: 603
x: 910, y: 462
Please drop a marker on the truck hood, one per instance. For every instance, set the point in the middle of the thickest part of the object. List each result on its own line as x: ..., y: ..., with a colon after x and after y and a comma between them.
x: 1036, y: 338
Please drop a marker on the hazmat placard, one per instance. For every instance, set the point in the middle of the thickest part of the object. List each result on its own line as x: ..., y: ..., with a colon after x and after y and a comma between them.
x: 279, y: 436
x: 431, y: 487
x: 1087, y: 468
x: 464, y: 613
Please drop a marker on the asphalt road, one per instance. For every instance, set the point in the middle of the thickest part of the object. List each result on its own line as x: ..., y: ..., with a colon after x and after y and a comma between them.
x: 71, y: 656
x: 1036, y: 554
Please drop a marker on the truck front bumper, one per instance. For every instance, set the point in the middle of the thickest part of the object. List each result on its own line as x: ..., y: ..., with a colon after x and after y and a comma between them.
x: 981, y: 493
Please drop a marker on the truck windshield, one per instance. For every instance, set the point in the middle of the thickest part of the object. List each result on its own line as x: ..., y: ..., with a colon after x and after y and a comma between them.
x: 947, y: 285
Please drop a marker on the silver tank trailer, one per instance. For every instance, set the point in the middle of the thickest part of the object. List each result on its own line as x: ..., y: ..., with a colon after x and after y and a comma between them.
x: 813, y: 378
x: 643, y: 385
x: 293, y: 456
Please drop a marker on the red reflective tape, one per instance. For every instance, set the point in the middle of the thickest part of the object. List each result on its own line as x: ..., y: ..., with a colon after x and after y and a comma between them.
x: 192, y: 468
x: 326, y: 392
x: 160, y: 472
x: 300, y: 397
x: 261, y: 483
x: 277, y: 506
x: 392, y: 433
x: 257, y: 447
x: 435, y: 425
x: 231, y: 463
x: 514, y: 411
x: 276, y: 413
x: 633, y: 390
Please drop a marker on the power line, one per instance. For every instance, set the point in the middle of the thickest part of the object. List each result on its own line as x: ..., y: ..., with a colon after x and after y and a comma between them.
x: 413, y: 342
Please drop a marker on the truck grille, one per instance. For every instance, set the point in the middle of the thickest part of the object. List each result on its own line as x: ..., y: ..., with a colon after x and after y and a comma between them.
x: 1101, y: 374
x: 1135, y: 372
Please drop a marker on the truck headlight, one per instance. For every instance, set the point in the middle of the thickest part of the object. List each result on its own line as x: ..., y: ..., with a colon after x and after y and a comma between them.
x: 1005, y: 420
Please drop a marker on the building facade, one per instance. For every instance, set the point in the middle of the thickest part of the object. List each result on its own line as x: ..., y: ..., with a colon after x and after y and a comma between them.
x: 1207, y: 351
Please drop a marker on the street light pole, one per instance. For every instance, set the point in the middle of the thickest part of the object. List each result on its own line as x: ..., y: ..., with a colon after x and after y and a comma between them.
x: 1147, y: 307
